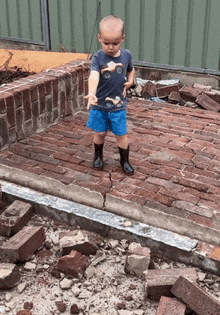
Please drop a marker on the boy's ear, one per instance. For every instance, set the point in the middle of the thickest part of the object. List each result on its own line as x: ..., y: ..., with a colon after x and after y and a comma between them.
x: 98, y: 36
x: 123, y: 37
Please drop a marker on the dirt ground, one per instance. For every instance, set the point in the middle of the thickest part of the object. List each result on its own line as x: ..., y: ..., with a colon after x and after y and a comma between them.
x: 8, y: 76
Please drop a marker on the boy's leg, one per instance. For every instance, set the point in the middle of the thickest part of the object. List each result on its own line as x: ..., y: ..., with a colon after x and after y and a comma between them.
x: 123, y: 146
x: 98, y: 122
x: 119, y: 128
x: 98, y: 140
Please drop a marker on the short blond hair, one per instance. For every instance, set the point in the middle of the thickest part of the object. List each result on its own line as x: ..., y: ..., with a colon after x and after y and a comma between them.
x: 112, y: 22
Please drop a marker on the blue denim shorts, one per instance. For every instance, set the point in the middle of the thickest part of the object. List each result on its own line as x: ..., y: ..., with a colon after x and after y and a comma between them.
x: 101, y: 121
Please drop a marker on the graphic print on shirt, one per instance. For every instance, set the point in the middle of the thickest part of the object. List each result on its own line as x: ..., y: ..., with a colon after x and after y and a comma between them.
x: 117, y: 101
x: 111, y: 67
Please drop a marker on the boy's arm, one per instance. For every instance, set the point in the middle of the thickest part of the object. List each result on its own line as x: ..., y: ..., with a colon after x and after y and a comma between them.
x: 129, y: 82
x: 92, y: 84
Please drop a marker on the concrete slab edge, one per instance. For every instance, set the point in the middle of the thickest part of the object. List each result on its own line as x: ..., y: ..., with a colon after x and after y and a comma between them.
x: 161, y: 220
x: 51, y: 186
x: 161, y: 242
x: 111, y: 204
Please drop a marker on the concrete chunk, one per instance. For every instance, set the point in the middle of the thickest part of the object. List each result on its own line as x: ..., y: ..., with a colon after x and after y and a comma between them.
x: 196, y: 298
x: 159, y: 282
x: 170, y: 306
x: 23, y: 244
x: 15, y: 217
x: 138, y: 259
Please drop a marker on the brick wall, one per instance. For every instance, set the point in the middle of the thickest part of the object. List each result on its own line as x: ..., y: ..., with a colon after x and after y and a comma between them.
x: 36, y: 102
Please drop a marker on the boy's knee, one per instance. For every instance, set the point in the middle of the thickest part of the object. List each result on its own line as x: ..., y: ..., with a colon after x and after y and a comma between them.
x: 100, y: 135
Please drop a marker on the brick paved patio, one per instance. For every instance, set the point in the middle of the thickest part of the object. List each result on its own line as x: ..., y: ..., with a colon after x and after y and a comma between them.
x: 175, y: 152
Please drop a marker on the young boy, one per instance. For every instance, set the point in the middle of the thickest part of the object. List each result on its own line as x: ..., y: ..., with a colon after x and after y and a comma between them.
x: 107, y: 91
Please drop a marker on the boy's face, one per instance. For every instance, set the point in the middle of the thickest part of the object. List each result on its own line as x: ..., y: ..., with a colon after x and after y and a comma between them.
x: 111, y: 42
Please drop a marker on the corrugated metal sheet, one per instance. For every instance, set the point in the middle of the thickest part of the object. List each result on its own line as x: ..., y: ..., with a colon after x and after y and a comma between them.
x: 21, y: 19
x: 174, y: 32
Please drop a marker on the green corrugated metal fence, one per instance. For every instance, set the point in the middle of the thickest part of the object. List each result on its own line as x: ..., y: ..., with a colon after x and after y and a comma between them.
x: 20, y: 19
x: 173, y: 32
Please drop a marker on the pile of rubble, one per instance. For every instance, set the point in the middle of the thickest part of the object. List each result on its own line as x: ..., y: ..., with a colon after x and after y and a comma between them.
x: 48, y: 267
x: 172, y: 91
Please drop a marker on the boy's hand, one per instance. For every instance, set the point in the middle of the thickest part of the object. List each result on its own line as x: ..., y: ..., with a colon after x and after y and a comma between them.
x: 92, y: 100
x: 127, y: 86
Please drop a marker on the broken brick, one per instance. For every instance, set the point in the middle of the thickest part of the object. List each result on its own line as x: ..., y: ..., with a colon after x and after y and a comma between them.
x: 170, y: 306
x: 207, y: 103
x: 137, y: 260
x: 190, y: 94
x: 73, y: 264
x: 149, y: 90
x: 23, y: 244
x: 160, y: 282
x: 15, y: 217
x: 214, y: 94
x: 195, y: 297
x: 174, y: 97
x: 9, y: 276
x: 166, y: 90
x: 85, y: 242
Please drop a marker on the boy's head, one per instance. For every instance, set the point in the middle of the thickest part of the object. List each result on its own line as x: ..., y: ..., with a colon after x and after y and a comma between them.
x: 111, y: 35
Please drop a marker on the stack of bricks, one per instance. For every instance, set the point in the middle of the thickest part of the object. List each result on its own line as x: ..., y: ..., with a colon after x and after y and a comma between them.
x: 23, y: 241
x: 36, y: 102
x: 200, y: 95
x: 175, y: 289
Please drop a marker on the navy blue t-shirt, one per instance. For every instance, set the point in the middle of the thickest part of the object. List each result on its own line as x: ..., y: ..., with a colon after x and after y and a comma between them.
x: 113, y: 72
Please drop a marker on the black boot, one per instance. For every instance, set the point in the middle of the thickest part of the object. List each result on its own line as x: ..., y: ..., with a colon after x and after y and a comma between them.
x: 124, y: 160
x: 98, y: 161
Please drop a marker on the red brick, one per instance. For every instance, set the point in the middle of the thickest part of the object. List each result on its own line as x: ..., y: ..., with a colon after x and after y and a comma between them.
x: 73, y: 264
x: 67, y: 158
x: 9, y: 276
x: 190, y: 94
x: 207, y: 103
x: 80, y: 82
x: 4, y: 136
x: 149, y: 90
x: 170, y: 306
x: 214, y: 94
x: 178, y: 195
x: 196, y: 298
x: 166, y: 90
x: 14, y: 218
x: 55, y: 92
x: 23, y: 244
x: 10, y: 110
x: 2, y: 106
x: 190, y: 183
x: 41, y: 91
x: 34, y: 93
x: 160, y: 282
x: 201, y: 220
x: 174, y: 97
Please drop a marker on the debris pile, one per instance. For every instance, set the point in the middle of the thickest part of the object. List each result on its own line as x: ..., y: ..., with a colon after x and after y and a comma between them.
x: 51, y: 268
x: 172, y: 91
